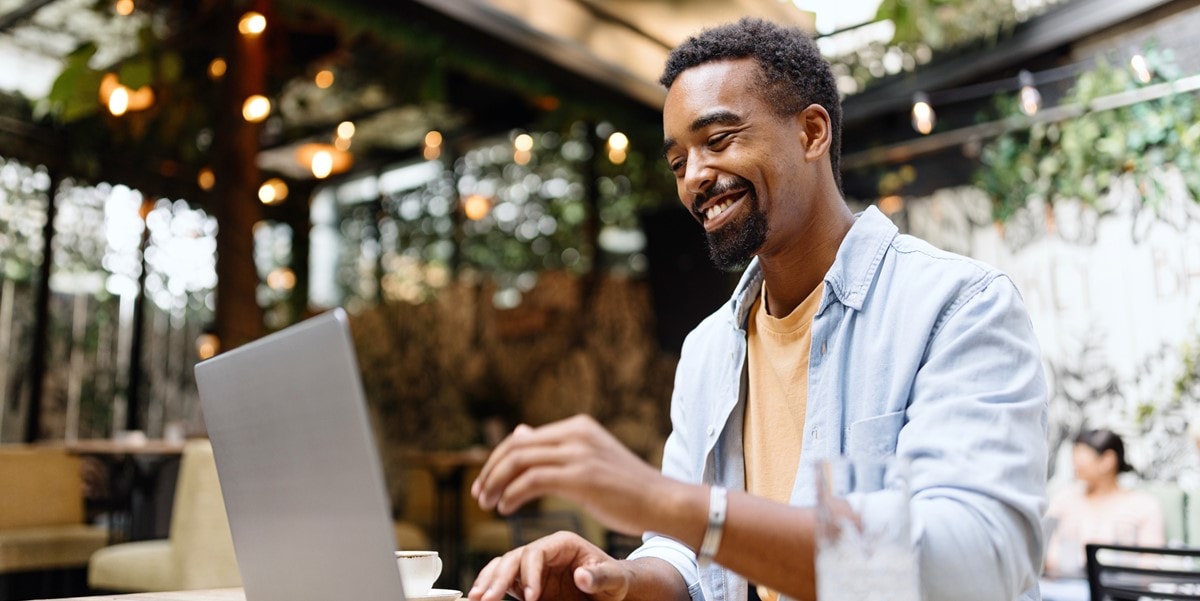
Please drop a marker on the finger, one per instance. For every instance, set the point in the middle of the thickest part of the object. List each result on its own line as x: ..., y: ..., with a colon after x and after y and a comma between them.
x: 535, y: 482
x: 603, y: 577
x: 498, y: 455
x: 505, y: 574
x: 515, y: 465
x: 554, y: 434
x: 483, y: 580
x: 532, y: 564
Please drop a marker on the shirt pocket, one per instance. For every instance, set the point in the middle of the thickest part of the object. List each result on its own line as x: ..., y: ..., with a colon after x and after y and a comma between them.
x: 874, y: 437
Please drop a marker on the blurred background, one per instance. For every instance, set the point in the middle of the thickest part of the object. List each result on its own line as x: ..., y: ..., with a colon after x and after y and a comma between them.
x: 479, y: 183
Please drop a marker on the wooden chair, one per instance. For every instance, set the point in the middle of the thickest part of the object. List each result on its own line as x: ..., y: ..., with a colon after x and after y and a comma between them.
x: 198, y: 553
x: 41, y: 511
x: 1121, y: 573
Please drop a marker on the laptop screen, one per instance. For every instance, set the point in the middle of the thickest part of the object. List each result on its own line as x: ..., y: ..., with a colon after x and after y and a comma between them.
x: 298, y: 465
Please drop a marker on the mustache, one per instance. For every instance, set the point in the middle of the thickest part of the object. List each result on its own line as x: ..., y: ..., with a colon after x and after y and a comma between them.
x: 733, y: 184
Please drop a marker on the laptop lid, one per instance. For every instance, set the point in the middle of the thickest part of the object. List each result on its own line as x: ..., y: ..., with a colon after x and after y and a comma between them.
x: 299, y: 468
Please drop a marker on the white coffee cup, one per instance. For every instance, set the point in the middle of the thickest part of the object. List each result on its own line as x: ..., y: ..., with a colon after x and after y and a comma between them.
x: 418, y: 571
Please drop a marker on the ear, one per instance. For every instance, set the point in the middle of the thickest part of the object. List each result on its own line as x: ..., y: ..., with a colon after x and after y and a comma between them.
x: 817, y: 131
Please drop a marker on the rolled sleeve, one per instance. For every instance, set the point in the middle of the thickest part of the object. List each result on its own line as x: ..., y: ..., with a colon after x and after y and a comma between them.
x: 675, y: 553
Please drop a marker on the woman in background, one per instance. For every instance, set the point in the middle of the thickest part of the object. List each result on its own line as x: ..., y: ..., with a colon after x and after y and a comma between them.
x: 1098, y: 510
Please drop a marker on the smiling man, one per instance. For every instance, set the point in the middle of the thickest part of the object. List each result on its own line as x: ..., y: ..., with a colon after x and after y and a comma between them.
x: 843, y: 337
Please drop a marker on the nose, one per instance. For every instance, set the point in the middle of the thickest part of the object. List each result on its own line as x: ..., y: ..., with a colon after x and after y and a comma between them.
x: 697, y: 178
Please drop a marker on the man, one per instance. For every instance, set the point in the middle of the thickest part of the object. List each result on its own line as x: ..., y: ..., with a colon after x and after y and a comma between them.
x: 843, y: 338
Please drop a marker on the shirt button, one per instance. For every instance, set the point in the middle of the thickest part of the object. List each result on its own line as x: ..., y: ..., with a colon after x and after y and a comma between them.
x: 814, y: 434
x: 711, y: 430
x: 822, y: 348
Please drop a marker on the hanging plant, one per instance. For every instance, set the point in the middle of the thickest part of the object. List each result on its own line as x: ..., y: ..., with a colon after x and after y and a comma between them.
x: 1081, y: 157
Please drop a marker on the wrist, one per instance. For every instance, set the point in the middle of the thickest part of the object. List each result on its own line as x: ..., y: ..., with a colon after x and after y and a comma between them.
x: 684, y: 514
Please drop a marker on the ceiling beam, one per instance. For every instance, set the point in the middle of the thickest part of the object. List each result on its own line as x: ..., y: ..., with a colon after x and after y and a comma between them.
x: 566, y: 53
x: 1068, y: 23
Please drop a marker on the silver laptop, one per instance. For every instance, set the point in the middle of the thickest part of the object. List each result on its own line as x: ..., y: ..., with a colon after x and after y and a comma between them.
x: 299, y: 468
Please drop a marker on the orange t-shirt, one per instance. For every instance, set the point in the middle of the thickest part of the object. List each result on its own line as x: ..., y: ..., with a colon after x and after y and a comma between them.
x: 777, y: 354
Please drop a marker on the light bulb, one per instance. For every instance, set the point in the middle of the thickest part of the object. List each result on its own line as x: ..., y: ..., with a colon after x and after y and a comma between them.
x: 256, y: 108
x: 322, y: 164
x: 252, y: 24
x: 923, y: 117
x: 618, y: 141
x: 1141, y: 68
x: 1030, y: 98
x: 118, y: 101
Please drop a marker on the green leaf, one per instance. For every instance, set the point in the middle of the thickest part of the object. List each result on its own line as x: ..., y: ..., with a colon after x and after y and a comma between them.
x: 170, y: 67
x: 136, y: 72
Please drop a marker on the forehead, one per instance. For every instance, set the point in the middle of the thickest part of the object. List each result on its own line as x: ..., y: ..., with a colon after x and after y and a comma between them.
x: 731, y: 85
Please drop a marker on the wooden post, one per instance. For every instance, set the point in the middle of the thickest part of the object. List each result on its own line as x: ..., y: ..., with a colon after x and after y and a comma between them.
x: 41, y: 317
x: 239, y: 318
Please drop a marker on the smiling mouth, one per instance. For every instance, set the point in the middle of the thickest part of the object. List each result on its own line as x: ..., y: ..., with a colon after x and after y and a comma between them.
x: 713, y: 215
x: 714, y: 211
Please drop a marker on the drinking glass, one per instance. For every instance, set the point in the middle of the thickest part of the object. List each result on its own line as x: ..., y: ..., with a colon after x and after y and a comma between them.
x: 864, y: 552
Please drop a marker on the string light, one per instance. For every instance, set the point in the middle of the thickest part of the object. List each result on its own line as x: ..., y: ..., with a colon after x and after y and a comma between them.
x: 433, y: 145
x: 118, y: 101
x: 322, y: 164
x: 923, y: 117
x: 1031, y: 99
x: 281, y: 279
x: 476, y: 207
x: 124, y: 7
x: 1141, y: 68
x: 216, y: 68
x: 891, y: 204
x: 252, y: 24
x: 323, y: 160
x: 324, y: 78
x: 256, y: 108
x: 206, y: 179
x: 618, y: 145
x: 207, y: 346
x: 273, y: 191
x: 522, y: 149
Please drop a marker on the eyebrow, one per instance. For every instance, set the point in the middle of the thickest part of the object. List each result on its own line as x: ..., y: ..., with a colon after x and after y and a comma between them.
x: 720, y: 117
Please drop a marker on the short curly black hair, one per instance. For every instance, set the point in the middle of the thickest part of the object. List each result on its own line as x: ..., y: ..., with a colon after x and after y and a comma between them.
x: 794, y: 75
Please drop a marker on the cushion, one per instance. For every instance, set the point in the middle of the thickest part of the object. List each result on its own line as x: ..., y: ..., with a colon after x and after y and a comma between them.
x: 49, y: 547
x: 132, y: 567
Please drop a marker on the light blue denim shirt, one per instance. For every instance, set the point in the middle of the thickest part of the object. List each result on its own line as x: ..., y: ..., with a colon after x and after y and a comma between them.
x: 915, y: 352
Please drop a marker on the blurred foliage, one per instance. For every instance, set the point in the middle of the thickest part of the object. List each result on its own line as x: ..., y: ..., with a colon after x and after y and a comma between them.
x: 1081, y: 157
x: 923, y: 28
x: 24, y: 200
x: 1187, y: 385
x: 547, y: 209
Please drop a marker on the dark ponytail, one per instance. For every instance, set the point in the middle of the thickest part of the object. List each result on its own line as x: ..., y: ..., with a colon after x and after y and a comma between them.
x: 1105, y: 440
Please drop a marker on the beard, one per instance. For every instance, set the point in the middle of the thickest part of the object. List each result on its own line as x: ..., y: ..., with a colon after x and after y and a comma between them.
x: 732, y: 246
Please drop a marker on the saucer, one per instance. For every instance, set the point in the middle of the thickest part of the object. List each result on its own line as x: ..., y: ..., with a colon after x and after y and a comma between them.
x: 436, y: 594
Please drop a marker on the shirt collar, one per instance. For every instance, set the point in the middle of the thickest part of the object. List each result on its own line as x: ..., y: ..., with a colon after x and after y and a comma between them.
x: 848, y: 279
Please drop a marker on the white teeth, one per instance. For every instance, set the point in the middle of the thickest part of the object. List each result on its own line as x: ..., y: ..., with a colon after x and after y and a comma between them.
x: 713, y: 211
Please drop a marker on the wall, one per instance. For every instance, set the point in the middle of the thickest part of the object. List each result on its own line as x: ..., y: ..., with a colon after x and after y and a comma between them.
x: 1114, y: 296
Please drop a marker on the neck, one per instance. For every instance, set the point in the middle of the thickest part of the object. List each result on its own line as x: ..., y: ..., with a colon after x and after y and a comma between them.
x: 1102, y: 487
x: 792, y: 275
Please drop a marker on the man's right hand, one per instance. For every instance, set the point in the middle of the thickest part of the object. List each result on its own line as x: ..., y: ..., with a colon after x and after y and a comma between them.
x: 560, y: 566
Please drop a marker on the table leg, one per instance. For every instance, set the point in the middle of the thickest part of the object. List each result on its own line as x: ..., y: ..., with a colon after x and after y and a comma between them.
x: 448, y: 481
